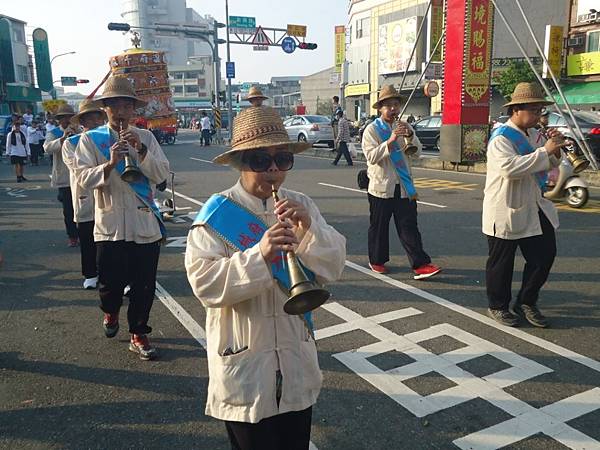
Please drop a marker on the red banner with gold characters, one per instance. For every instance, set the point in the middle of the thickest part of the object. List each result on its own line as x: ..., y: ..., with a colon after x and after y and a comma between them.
x: 478, y: 53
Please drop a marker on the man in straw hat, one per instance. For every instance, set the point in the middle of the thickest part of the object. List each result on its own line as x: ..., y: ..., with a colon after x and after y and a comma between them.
x: 515, y: 212
x: 60, y: 173
x: 255, y: 96
x: 264, y: 373
x: 90, y: 116
x: 128, y: 229
x: 387, y: 144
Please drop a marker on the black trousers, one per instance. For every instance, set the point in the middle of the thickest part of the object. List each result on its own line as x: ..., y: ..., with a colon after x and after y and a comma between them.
x: 64, y: 196
x: 88, y: 249
x: 36, y: 151
x: 538, y: 251
x: 205, y: 137
x: 405, y: 218
x: 288, y: 431
x: 121, y: 263
x: 343, y: 150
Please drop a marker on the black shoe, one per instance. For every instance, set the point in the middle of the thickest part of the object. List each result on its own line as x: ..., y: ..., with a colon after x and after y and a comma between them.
x: 532, y: 314
x: 334, y: 164
x: 19, y: 180
x: 24, y: 179
x: 504, y: 317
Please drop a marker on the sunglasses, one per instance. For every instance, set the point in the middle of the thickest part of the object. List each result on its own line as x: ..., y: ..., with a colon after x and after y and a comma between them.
x: 260, y: 161
x: 536, y: 110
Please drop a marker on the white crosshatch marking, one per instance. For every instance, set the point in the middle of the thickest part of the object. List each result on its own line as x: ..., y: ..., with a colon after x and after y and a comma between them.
x: 526, y: 420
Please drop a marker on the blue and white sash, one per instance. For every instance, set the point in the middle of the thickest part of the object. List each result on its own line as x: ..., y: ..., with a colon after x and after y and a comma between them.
x: 523, y: 147
x: 74, y: 140
x: 103, y: 139
x: 397, y: 156
x: 241, y: 229
x: 57, y: 133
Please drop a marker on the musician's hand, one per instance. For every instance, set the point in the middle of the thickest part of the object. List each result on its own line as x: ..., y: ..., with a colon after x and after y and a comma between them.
x: 554, y: 143
x: 276, y: 239
x: 402, y: 129
x: 117, y: 152
x: 131, y: 137
x: 296, y: 212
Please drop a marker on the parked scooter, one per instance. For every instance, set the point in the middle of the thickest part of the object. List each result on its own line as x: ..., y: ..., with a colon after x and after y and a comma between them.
x: 569, y: 186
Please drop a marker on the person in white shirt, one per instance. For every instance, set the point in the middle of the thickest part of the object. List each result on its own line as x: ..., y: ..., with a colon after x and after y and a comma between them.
x: 35, y: 135
x: 17, y: 147
x: 205, y: 129
x: 28, y: 117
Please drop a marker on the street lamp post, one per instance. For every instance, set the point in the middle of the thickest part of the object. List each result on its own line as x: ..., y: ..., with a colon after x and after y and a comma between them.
x: 53, y: 92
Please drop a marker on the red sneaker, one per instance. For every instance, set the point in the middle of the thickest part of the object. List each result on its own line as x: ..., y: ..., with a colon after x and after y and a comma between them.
x: 378, y: 268
x: 426, y: 271
x: 110, y: 324
x: 141, y: 344
x: 73, y: 242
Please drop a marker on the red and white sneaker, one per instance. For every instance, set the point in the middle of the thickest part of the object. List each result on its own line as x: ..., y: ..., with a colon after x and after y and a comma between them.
x: 426, y: 271
x: 378, y: 268
x: 140, y: 344
x: 73, y: 242
x: 110, y: 324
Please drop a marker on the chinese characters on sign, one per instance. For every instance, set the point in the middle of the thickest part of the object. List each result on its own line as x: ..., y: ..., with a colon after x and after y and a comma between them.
x: 340, y: 47
x: 296, y: 30
x: 436, y: 25
x: 553, y: 46
x: 478, y: 47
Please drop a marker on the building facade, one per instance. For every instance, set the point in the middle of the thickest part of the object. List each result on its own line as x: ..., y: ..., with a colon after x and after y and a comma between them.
x: 318, y: 89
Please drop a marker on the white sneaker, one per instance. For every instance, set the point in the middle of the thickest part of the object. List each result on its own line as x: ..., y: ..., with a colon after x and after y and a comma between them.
x: 126, y: 290
x: 90, y: 283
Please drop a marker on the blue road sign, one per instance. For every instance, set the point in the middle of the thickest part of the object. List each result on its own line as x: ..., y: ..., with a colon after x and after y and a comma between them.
x: 230, y: 69
x: 288, y: 45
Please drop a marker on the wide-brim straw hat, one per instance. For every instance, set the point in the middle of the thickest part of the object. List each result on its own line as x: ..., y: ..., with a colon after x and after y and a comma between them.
x: 121, y: 87
x: 255, y: 92
x: 87, y: 106
x: 64, y: 110
x: 255, y: 128
x: 525, y: 93
x: 387, y: 91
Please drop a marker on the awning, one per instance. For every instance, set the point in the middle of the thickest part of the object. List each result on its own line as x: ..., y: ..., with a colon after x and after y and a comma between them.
x: 580, y: 93
x: 16, y: 93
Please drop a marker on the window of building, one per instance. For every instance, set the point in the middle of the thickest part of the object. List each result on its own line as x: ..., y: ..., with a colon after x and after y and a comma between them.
x: 593, y: 41
x: 201, y: 83
x: 191, y: 75
x: 23, y: 73
x: 363, y: 28
x: 177, y: 89
x: 18, y: 35
x: 178, y: 75
x: 192, y: 88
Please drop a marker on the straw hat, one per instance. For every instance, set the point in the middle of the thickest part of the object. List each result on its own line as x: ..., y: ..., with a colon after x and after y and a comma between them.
x: 121, y: 87
x: 387, y: 91
x: 528, y: 93
x: 87, y: 106
x: 64, y: 110
x: 256, y: 128
x: 255, y: 92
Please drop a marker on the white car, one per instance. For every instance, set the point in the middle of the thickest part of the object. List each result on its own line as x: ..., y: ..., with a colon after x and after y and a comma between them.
x: 310, y: 128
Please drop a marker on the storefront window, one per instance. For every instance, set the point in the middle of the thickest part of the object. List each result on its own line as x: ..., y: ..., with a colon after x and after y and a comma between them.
x: 593, y: 41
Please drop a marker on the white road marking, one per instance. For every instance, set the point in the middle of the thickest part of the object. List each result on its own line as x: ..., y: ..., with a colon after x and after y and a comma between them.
x: 177, y: 241
x: 189, y: 199
x: 202, y: 160
x: 435, y: 205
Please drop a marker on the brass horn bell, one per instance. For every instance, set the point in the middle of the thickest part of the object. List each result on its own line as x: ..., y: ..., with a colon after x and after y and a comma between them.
x: 131, y: 173
x: 304, y: 295
x: 578, y: 161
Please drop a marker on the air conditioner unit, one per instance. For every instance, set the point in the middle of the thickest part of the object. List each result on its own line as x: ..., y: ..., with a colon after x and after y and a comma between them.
x: 576, y: 41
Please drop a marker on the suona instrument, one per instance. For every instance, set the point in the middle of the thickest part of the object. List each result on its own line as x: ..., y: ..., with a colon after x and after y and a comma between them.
x: 131, y: 173
x: 577, y: 160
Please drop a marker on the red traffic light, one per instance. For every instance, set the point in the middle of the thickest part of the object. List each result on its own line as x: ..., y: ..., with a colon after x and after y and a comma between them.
x: 82, y: 81
x: 307, y: 45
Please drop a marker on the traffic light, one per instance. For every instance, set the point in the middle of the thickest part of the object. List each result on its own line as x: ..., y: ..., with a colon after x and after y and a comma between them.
x: 115, y: 26
x: 82, y: 81
x: 307, y: 45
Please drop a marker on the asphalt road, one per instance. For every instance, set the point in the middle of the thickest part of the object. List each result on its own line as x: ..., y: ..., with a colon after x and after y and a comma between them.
x: 406, y: 364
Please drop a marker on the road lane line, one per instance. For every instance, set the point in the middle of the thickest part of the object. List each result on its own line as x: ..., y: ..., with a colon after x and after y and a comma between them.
x: 202, y: 160
x: 435, y: 205
x: 189, y: 199
x: 542, y: 343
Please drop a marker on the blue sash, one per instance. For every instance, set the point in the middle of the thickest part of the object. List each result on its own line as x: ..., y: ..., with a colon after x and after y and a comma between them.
x: 57, y: 132
x: 241, y: 229
x: 103, y: 139
x: 523, y: 147
x: 75, y: 139
x: 397, y: 157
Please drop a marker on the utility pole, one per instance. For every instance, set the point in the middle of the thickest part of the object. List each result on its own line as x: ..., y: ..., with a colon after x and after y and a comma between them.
x: 229, y: 112
x: 217, y: 76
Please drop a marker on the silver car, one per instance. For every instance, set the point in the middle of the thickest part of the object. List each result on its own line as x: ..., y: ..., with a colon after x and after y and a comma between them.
x: 310, y: 128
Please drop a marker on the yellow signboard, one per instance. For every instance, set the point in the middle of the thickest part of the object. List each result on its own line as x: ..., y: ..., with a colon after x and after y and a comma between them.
x: 583, y: 64
x: 553, y: 46
x: 340, y: 47
x: 296, y: 30
x: 357, y: 89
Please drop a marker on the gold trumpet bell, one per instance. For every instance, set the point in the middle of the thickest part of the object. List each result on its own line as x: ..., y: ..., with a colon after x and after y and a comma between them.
x: 579, y: 162
x: 131, y: 173
x: 410, y: 148
x: 304, y: 294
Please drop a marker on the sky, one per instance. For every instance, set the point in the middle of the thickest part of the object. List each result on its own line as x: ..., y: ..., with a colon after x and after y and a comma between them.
x: 81, y: 26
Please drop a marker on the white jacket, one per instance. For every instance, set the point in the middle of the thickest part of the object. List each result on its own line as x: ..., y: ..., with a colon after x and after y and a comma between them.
x: 119, y: 214
x: 19, y: 149
x: 383, y: 177
x: 244, y: 309
x: 60, y: 172
x: 512, y: 195
x: 83, y: 199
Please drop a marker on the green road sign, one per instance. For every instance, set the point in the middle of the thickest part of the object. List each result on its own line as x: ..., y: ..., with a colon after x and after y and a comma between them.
x: 68, y: 81
x: 6, y: 54
x: 242, y: 22
x: 42, y: 59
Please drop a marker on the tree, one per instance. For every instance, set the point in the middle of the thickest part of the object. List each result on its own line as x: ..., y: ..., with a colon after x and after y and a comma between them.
x: 517, y: 72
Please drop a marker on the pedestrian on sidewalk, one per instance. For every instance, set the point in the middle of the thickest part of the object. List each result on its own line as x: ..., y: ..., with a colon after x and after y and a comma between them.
x: 128, y: 226
x: 90, y: 116
x: 204, y: 130
x: 335, y: 108
x: 35, y: 136
x: 391, y: 189
x: 342, y: 139
x: 17, y: 148
x: 60, y: 173
x: 515, y: 212
x: 255, y: 96
x: 262, y: 362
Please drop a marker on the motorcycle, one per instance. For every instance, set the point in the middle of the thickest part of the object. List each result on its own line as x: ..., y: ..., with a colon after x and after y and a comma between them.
x: 568, y: 185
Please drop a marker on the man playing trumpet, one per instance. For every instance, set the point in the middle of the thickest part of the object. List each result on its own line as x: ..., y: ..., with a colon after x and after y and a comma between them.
x: 263, y: 367
x: 128, y: 228
x: 388, y: 145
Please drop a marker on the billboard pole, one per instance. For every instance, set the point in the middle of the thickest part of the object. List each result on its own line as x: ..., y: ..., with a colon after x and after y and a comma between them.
x: 229, y: 112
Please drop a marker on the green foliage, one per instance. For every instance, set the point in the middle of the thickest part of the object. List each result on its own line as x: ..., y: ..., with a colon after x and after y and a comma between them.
x: 323, y: 108
x: 517, y: 72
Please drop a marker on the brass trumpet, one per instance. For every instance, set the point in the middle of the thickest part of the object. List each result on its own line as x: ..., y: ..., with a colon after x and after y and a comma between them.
x: 577, y: 160
x: 409, y: 148
x: 131, y: 173
x: 304, y: 295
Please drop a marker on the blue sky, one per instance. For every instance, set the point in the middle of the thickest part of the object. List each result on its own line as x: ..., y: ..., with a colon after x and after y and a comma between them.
x: 75, y: 25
